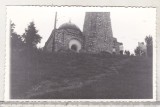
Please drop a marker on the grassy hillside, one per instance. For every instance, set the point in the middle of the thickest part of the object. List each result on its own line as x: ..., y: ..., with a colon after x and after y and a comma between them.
x: 82, y: 76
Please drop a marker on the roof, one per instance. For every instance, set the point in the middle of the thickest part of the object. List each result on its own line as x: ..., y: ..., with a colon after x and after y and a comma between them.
x: 69, y: 26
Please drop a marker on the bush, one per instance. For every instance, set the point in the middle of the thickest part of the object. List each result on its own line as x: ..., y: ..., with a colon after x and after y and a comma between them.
x: 104, y: 53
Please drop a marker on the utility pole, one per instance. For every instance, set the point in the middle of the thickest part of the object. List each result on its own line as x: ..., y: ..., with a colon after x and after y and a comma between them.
x: 55, y: 22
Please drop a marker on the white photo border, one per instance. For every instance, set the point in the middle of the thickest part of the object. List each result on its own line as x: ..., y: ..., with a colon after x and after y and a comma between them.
x: 7, y: 71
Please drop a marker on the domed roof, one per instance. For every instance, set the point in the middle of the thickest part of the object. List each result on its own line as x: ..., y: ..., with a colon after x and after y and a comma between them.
x: 69, y: 26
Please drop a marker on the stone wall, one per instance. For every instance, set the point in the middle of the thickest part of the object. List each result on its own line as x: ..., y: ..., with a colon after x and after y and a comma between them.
x: 49, y: 44
x: 62, y: 39
x: 98, y: 32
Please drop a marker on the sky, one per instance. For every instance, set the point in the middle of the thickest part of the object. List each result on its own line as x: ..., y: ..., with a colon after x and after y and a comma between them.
x: 129, y: 25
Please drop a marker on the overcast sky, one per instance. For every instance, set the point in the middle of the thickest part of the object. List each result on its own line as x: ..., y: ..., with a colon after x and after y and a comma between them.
x: 129, y: 25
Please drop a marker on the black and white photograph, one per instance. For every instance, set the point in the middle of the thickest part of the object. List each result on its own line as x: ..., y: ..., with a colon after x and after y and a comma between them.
x: 80, y: 53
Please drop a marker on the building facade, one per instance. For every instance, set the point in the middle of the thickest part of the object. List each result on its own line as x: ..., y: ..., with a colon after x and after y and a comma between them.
x: 67, y: 37
x: 96, y: 36
x: 97, y: 31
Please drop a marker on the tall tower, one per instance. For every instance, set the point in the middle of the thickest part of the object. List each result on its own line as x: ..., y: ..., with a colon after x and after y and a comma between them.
x: 98, y: 32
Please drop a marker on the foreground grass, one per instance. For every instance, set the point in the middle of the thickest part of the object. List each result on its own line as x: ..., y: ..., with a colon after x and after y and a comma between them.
x: 80, y: 76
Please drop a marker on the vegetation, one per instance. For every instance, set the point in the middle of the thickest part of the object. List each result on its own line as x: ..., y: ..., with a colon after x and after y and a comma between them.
x: 149, y: 43
x: 31, y: 36
x: 26, y: 42
x: 74, y: 75
x: 127, y: 52
x: 139, y: 51
x: 121, y: 52
x: 16, y: 40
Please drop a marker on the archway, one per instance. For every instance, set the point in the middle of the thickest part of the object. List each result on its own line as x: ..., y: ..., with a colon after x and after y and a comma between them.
x: 75, y: 45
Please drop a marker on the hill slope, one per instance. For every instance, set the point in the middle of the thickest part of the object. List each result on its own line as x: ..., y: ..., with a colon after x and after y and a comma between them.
x: 81, y: 76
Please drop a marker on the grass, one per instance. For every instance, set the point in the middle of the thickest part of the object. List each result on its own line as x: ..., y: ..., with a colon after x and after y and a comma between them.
x: 80, y: 76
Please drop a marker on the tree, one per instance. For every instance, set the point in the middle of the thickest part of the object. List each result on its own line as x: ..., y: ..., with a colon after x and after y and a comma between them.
x: 137, y: 51
x: 31, y: 36
x: 121, y: 52
x: 149, y: 44
x: 127, y: 53
x: 16, y: 40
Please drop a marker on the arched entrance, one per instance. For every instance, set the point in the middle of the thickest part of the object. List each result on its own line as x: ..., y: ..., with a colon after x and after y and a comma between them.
x: 75, y: 45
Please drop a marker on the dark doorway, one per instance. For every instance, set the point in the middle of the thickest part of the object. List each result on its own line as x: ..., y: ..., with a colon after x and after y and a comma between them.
x: 74, y: 48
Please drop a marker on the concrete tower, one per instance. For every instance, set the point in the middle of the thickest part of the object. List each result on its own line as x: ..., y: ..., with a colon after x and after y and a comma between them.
x: 98, y: 32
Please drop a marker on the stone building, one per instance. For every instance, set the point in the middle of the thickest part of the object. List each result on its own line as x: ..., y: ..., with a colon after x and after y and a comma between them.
x: 96, y: 36
x: 67, y: 37
x: 98, y: 32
